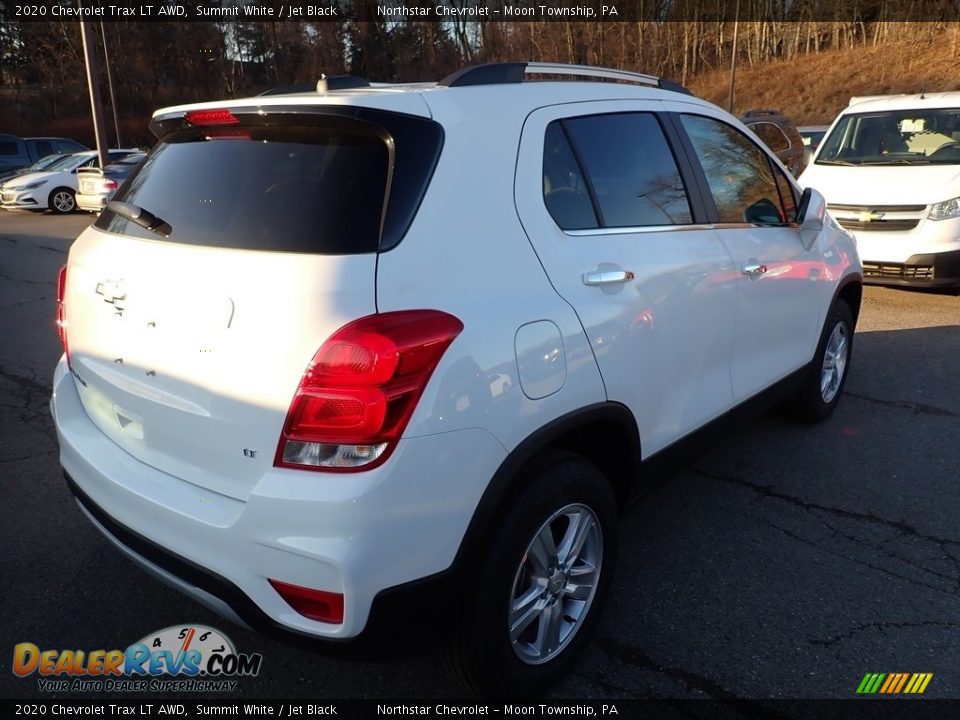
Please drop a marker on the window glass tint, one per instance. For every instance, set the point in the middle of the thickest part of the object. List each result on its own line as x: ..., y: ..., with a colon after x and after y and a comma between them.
x: 564, y: 190
x: 68, y: 162
x: 631, y: 168
x: 788, y: 196
x: 772, y: 136
x: 292, y: 189
x: 8, y: 148
x: 43, y: 147
x: 739, y: 173
x: 69, y: 146
x: 921, y: 136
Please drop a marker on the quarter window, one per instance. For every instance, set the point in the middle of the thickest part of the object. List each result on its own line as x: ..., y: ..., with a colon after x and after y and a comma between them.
x: 739, y: 173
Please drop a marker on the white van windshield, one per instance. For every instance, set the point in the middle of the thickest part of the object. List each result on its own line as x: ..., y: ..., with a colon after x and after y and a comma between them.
x: 894, y: 137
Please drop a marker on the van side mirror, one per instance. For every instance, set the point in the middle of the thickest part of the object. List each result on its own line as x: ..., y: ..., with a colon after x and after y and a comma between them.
x: 811, y: 214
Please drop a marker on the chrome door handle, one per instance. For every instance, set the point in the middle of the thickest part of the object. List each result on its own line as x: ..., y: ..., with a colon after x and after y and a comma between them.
x: 607, y: 277
x: 754, y: 269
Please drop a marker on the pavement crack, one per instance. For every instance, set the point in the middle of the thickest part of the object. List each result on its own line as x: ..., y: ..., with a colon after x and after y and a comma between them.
x: 59, y: 251
x: 767, y: 491
x: 605, y: 685
x: 30, y: 387
x: 881, y: 627
x: 877, y: 568
x: 916, y: 408
x: 24, y: 281
x: 31, y: 456
x: 24, y: 302
x: 631, y: 656
x: 879, y: 547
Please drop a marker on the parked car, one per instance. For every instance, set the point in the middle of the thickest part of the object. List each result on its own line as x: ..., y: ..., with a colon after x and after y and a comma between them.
x: 890, y: 170
x: 54, y: 188
x: 40, y: 165
x: 97, y: 186
x: 17, y: 153
x: 780, y: 135
x: 336, y: 367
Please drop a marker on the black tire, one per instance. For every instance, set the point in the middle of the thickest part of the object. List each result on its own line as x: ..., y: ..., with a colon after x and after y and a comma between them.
x: 62, y: 201
x: 813, y: 403
x: 482, y: 654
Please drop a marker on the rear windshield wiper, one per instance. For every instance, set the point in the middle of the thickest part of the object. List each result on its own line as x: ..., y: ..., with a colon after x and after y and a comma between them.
x: 141, y: 217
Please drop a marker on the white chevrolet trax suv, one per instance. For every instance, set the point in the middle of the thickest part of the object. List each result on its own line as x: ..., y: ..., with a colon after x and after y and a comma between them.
x: 341, y: 363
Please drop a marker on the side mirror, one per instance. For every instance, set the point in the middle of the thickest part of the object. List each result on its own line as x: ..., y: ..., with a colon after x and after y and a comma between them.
x: 811, y: 214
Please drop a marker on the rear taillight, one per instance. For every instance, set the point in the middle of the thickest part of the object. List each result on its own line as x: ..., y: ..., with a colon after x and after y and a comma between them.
x: 62, y: 309
x: 108, y: 184
x: 314, y: 604
x: 361, y: 388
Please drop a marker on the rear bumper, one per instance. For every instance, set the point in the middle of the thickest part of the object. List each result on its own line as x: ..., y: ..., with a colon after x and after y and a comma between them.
x: 91, y: 203
x: 385, y: 539
x: 928, y: 270
x: 391, y: 629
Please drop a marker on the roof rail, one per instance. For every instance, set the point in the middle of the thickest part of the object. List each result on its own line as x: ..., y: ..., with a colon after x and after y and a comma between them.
x: 504, y: 73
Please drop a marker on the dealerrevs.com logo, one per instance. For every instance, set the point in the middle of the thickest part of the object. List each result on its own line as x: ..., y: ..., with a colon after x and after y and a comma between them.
x: 182, y: 658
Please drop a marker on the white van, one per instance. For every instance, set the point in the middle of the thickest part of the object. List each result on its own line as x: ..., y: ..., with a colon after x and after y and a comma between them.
x: 889, y: 168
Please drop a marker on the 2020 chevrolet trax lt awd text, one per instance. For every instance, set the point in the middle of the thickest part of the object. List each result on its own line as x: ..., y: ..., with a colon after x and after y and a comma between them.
x: 340, y: 361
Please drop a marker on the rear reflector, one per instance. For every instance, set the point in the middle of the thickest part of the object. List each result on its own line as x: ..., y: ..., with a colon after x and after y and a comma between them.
x: 211, y: 117
x: 62, y: 309
x: 314, y: 604
x: 361, y: 388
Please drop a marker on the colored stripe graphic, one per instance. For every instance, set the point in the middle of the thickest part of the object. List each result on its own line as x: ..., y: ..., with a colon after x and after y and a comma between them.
x: 903, y: 680
x: 894, y: 683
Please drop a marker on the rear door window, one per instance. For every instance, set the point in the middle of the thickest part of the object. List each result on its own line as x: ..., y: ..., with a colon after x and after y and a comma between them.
x: 630, y: 171
x: 564, y: 188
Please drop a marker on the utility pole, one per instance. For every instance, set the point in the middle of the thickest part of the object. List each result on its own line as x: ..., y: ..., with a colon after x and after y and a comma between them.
x: 733, y: 57
x: 93, y: 81
x: 113, y: 99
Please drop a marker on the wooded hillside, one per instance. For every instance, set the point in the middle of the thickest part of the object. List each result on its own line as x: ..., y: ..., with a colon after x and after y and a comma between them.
x: 807, y: 69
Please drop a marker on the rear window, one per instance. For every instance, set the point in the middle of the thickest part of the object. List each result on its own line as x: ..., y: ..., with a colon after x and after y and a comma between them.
x: 283, y: 188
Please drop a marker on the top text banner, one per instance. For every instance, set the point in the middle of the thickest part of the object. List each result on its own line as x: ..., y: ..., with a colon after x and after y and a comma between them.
x: 459, y: 11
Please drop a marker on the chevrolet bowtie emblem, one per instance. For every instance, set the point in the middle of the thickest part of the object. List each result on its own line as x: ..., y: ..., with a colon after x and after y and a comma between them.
x: 113, y: 292
x: 871, y: 216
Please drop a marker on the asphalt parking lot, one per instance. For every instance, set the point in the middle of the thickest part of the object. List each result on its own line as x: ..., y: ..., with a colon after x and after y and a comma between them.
x: 787, y: 561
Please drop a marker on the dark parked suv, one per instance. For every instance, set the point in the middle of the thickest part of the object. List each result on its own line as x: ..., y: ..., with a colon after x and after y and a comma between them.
x: 779, y: 134
x: 16, y: 152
